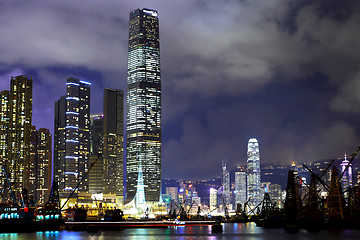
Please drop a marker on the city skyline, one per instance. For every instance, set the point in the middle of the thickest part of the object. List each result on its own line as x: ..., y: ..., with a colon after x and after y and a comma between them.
x: 288, y: 77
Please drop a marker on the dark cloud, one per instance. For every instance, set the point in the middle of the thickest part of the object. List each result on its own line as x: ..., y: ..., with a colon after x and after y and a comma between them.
x: 348, y: 98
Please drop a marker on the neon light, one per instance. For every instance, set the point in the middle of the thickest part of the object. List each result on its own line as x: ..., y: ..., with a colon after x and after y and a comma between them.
x: 71, y: 157
x: 84, y: 82
x: 75, y: 113
x: 70, y: 140
x: 153, y: 13
x: 70, y: 83
x: 72, y: 127
x: 72, y: 98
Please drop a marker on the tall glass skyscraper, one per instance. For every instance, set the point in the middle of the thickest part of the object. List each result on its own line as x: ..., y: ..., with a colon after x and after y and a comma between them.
x: 72, y: 136
x: 225, y: 184
x: 253, y: 172
x: 144, y: 104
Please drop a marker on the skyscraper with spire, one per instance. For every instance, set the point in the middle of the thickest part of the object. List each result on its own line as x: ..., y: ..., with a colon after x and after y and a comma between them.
x: 346, y: 170
x: 225, y: 184
x: 253, y: 172
x: 143, y: 105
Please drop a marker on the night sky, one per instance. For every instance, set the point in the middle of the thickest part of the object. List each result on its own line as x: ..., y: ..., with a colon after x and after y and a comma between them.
x: 286, y: 72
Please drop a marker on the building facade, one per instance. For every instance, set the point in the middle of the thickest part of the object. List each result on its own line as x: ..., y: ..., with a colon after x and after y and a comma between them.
x: 144, y: 105
x: 113, y: 137
x: 19, y: 128
x: 253, y: 172
x: 213, y: 199
x: 72, y: 136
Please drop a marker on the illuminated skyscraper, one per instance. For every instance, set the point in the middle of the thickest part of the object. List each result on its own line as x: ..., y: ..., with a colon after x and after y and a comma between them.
x: 144, y: 104
x: 253, y: 172
x: 225, y: 184
x: 213, y: 199
x: 72, y: 136
x: 19, y: 131
x: 346, y: 179
x: 4, y: 132
x: 113, y: 124
x: 240, y: 187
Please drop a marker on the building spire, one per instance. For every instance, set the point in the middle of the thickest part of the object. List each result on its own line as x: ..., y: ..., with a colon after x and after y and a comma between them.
x: 140, y: 192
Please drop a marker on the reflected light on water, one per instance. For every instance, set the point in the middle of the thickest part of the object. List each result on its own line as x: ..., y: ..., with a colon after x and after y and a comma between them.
x: 9, y: 236
x: 242, y: 231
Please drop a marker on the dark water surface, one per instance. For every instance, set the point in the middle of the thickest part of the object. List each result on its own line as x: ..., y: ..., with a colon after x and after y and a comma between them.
x: 244, y: 231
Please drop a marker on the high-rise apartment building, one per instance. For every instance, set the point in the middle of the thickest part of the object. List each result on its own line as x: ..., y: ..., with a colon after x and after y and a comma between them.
x: 253, y: 172
x: 72, y: 136
x: 144, y: 104
x: 40, y: 166
x: 20, y: 116
x: 4, y: 132
x: 113, y: 124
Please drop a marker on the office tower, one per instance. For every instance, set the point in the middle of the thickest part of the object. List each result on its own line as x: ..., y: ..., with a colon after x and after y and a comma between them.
x: 40, y: 166
x: 59, y: 142
x: 213, y: 199
x: 71, y: 136
x: 346, y: 179
x: 253, y: 172
x: 225, y: 184
x: 240, y: 187
x: 4, y: 132
x: 144, y: 104
x: 96, y: 176
x: 113, y: 124
x: 20, y: 116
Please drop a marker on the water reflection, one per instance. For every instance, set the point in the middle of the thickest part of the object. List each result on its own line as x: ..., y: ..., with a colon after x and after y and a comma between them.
x: 242, y: 231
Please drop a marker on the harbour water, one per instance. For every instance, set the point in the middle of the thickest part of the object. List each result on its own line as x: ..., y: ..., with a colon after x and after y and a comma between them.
x: 244, y: 231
